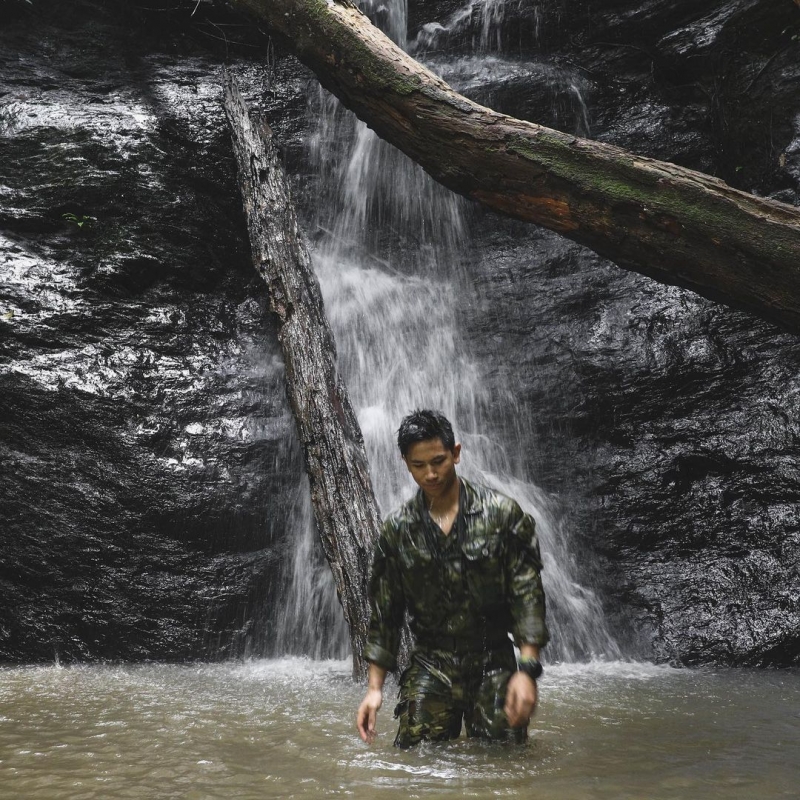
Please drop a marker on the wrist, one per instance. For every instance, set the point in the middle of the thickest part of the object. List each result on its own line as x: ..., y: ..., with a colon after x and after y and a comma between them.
x: 530, y: 666
x: 376, y: 677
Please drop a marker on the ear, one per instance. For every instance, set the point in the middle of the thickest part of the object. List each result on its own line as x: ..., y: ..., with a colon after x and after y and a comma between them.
x: 456, y: 452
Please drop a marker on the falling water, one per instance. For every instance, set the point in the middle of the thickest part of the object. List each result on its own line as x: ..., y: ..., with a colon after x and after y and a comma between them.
x: 488, y: 68
x: 391, y: 263
x: 485, y: 16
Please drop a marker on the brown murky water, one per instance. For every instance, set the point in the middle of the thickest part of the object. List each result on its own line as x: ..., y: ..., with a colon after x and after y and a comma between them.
x: 284, y: 729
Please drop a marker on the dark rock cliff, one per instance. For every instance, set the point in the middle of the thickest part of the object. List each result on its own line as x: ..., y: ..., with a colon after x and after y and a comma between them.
x: 144, y: 465
x: 147, y: 465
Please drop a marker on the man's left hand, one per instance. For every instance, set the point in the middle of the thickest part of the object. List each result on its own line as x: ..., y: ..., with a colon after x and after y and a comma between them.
x: 520, y: 699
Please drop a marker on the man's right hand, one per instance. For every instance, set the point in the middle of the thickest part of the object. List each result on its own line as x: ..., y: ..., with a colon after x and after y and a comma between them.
x: 368, y: 713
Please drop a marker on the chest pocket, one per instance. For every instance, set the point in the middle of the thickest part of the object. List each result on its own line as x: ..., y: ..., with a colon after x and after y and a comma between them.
x: 420, y: 574
x: 483, y: 567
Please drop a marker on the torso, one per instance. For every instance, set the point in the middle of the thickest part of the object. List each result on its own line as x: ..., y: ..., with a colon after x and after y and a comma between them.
x: 451, y: 583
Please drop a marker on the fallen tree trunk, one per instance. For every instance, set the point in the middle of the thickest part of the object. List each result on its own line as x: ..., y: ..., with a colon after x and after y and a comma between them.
x: 344, y: 505
x: 665, y: 221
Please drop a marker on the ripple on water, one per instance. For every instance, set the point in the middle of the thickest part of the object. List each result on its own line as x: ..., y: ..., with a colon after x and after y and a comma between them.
x: 285, y: 728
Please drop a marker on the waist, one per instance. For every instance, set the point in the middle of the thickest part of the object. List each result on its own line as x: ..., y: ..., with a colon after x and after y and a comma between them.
x: 464, y: 644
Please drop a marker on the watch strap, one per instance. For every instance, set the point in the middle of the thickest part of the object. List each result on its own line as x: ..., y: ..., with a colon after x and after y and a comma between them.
x: 532, y: 667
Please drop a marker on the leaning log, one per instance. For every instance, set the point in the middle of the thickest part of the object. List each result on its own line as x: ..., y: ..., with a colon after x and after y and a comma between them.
x: 671, y: 223
x: 344, y: 505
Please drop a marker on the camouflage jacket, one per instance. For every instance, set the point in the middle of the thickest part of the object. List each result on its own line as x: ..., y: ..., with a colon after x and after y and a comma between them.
x: 465, y: 591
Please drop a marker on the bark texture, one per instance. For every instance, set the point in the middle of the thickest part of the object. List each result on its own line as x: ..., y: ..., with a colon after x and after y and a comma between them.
x: 344, y: 505
x: 673, y: 224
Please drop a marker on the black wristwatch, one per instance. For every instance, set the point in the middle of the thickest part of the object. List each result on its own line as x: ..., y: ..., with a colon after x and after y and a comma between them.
x: 531, y: 667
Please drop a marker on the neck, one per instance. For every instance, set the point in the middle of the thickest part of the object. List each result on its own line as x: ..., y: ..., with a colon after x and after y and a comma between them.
x: 447, y: 499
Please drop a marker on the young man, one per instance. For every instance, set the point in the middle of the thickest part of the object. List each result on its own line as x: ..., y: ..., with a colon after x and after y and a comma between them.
x: 463, y: 561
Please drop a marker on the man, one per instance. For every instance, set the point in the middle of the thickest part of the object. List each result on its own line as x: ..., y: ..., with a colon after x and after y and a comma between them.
x: 464, y: 562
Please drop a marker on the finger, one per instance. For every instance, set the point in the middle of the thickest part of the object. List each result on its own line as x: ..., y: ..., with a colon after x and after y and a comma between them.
x: 361, y: 719
x: 511, y: 716
x: 512, y: 707
x: 366, y: 724
x: 519, y: 706
x: 373, y: 716
x: 511, y: 696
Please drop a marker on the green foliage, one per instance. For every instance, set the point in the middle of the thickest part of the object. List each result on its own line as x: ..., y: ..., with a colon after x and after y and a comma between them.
x: 79, y: 221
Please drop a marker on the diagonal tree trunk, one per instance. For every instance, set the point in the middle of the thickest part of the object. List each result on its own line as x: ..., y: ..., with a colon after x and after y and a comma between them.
x: 341, y: 491
x: 671, y: 223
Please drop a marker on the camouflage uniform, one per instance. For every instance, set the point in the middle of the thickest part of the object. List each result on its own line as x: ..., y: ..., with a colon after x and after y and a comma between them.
x: 464, y: 593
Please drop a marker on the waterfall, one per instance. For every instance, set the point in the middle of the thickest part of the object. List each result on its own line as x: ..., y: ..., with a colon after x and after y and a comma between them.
x: 392, y: 261
x: 483, y: 18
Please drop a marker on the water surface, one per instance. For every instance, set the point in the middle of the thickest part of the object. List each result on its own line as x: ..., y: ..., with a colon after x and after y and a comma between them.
x: 284, y: 729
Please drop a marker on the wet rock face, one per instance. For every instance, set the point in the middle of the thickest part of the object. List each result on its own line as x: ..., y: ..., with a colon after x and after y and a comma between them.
x: 147, y: 465
x: 144, y: 467
x: 711, y: 85
x: 669, y: 425
x: 671, y: 422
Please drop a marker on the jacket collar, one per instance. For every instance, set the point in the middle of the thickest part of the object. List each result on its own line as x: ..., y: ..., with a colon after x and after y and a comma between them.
x: 473, y: 504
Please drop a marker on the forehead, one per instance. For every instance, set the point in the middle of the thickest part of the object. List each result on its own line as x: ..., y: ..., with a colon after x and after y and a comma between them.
x: 427, y: 450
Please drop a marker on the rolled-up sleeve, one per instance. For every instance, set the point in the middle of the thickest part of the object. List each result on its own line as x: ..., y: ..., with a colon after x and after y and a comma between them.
x: 524, y: 580
x: 386, y: 604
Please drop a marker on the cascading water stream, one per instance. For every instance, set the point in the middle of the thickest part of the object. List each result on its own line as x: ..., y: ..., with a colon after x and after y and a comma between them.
x: 489, y: 14
x: 391, y: 266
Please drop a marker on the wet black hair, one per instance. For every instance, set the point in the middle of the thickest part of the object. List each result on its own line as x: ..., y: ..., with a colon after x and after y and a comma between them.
x: 422, y: 425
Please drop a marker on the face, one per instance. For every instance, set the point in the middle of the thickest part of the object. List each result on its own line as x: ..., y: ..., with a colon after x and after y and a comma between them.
x: 433, y: 466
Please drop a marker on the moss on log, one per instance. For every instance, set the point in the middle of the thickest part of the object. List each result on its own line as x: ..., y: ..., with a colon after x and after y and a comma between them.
x: 668, y: 222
